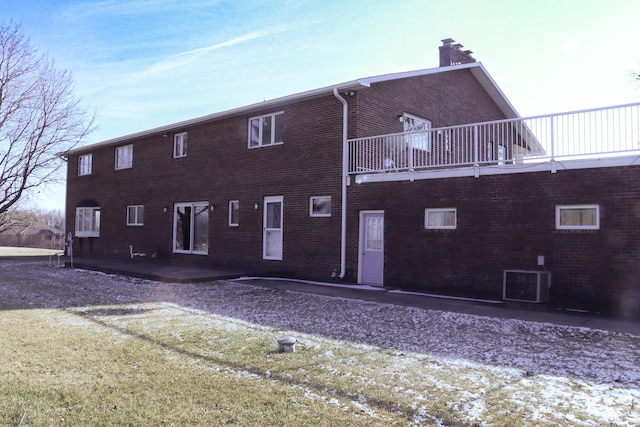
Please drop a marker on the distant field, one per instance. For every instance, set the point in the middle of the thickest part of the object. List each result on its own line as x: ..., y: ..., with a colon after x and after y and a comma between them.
x: 9, y: 251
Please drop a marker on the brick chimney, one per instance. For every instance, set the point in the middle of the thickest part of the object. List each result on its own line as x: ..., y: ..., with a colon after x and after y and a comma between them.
x: 451, y: 53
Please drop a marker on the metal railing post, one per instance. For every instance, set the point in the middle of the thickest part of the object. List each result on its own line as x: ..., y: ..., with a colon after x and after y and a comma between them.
x: 476, y: 148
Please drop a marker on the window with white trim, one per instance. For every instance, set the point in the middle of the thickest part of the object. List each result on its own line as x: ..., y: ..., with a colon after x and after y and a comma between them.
x: 266, y: 130
x: 84, y: 164
x: 441, y: 219
x: 577, y: 217
x: 135, y: 215
x: 180, y: 145
x: 88, y: 222
x: 234, y: 213
x: 417, y: 129
x: 124, y: 157
x: 320, y: 206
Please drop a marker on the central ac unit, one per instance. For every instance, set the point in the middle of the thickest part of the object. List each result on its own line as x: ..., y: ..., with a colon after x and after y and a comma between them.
x: 526, y: 285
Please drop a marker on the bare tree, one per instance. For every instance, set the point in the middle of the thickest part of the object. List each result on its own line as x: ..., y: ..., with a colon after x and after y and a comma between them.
x: 39, y: 118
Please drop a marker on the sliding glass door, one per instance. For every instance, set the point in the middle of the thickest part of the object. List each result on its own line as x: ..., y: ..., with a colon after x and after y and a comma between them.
x: 191, y: 228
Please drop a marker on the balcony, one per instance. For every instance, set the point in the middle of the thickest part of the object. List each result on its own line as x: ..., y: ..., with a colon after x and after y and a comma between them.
x: 499, y: 146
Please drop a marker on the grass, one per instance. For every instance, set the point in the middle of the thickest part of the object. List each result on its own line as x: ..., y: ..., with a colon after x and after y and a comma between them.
x: 11, y: 251
x: 161, y: 363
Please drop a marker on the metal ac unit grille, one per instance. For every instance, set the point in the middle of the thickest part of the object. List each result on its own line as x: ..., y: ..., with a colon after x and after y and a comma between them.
x: 527, y: 286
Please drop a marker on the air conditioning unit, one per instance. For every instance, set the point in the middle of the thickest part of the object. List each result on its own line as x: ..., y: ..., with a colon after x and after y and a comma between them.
x: 526, y: 286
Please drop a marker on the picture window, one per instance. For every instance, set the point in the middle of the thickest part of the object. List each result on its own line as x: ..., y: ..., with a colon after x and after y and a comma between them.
x: 88, y: 222
x: 320, y: 206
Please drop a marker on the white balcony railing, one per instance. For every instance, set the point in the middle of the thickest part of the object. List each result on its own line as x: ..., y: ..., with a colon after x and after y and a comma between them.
x: 611, y: 131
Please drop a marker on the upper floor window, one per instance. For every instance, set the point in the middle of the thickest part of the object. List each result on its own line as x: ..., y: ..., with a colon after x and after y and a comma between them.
x: 578, y: 217
x: 88, y: 222
x: 84, y: 164
x: 124, y: 156
x: 440, y: 219
x: 180, y: 145
x: 135, y: 215
x: 417, y: 129
x: 266, y: 130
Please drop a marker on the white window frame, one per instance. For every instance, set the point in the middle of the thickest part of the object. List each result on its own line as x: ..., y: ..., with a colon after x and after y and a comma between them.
x: 276, y: 231
x: 435, y: 211
x: 85, y: 164
x: 138, y: 215
x: 124, y: 157
x: 422, y: 139
x: 180, y: 145
x: 560, y: 208
x: 192, y: 249
x: 93, y: 215
x: 234, y: 206
x: 259, y: 140
x: 314, y: 207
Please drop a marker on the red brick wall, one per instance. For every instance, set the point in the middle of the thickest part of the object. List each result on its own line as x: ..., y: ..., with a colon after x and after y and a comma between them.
x: 505, y: 222
x: 219, y: 168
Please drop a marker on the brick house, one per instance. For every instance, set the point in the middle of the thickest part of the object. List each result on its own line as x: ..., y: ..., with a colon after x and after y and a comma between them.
x: 426, y: 180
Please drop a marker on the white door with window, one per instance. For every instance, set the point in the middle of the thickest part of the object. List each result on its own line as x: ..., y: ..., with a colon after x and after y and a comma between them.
x: 272, y: 228
x: 191, y: 228
x: 371, y: 259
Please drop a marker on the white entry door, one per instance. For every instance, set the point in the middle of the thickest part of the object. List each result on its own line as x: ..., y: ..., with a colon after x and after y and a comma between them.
x: 272, y: 228
x: 371, y: 262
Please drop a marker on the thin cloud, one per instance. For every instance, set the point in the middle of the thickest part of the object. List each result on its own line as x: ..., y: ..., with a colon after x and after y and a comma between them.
x: 184, y: 58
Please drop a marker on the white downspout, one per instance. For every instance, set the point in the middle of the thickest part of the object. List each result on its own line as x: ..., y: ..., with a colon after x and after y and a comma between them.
x: 345, y: 157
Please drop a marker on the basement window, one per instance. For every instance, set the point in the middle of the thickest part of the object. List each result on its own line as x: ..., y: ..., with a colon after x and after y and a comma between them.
x: 440, y: 219
x: 577, y: 217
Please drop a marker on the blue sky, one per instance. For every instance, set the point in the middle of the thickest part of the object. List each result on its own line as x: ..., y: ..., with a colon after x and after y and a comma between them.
x: 146, y: 63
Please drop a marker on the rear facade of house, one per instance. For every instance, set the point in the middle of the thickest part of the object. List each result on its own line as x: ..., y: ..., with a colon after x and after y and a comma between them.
x: 264, y: 186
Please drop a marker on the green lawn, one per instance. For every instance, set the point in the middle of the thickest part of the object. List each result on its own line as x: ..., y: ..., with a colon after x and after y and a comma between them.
x: 10, y: 251
x: 80, y: 348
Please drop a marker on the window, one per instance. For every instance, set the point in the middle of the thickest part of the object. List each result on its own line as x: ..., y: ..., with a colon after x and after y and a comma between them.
x: 124, y: 156
x: 422, y: 137
x: 135, y: 215
x: 320, y: 206
x: 440, y: 219
x: 234, y: 213
x: 84, y: 164
x: 180, y: 145
x: 88, y: 222
x: 578, y: 217
x: 266, y: 130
